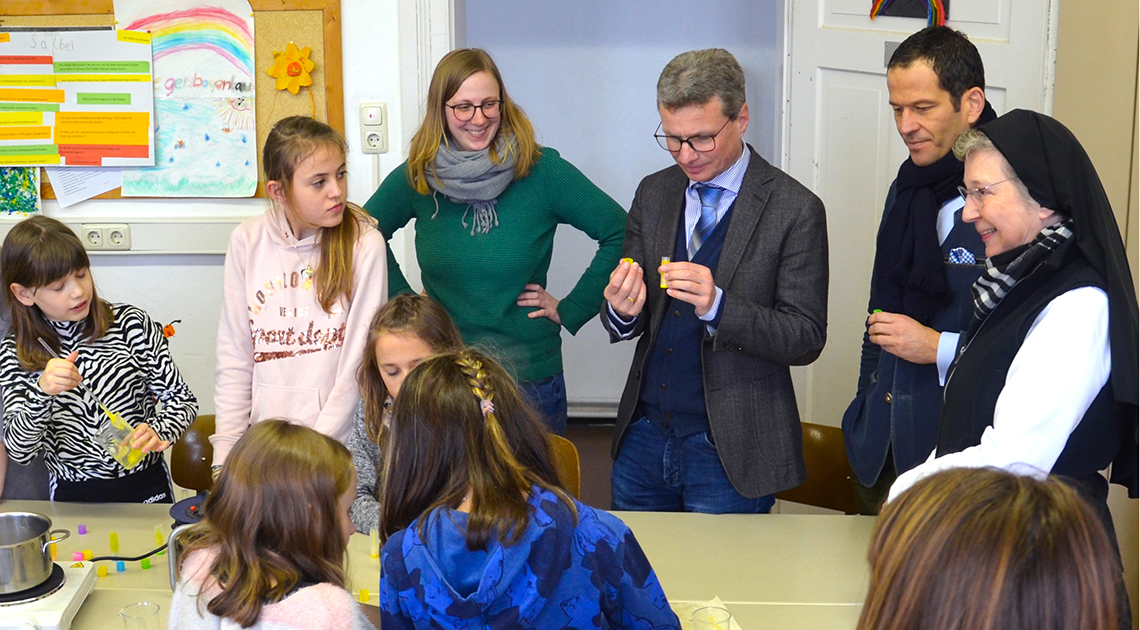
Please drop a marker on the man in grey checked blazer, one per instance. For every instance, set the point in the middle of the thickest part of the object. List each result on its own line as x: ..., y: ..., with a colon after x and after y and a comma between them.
x: 708, y: 419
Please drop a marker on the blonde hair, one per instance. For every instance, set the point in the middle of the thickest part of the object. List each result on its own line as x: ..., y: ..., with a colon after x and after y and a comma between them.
x: 409, y: 314
x: 274, y: 518
x: 292, y: 141
x: 455, y: 68
x: 460, y: 428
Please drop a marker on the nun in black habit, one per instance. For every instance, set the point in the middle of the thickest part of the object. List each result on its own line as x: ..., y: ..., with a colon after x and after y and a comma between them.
x: 1046, y: 378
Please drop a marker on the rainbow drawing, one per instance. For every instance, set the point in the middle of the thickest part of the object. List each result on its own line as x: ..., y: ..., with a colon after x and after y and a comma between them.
x: 201, y: 28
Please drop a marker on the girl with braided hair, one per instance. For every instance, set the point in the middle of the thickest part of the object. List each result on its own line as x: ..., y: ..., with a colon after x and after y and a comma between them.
x: 478, y: 526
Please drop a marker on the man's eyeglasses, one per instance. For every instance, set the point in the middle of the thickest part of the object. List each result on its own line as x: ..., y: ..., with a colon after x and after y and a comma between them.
x: 979, y: 194
x: 466, y: 111
x: 700, y: 144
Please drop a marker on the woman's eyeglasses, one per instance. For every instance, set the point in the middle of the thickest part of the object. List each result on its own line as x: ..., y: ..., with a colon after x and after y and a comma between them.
x: 466, y: 111
x: 979, y: 194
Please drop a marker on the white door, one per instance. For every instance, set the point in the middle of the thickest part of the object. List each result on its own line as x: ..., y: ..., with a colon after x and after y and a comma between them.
x: 840, y: 141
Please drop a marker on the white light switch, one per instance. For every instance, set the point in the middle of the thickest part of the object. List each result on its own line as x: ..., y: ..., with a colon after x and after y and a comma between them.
x: 374, y: 127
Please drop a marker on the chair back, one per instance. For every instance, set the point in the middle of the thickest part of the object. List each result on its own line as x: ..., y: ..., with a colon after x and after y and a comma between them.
x: 566, y: 462
x: 192, y: 456
x: 828, y: 483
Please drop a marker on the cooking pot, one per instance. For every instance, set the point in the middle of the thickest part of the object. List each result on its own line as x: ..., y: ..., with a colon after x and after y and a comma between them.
x: 25, y: 558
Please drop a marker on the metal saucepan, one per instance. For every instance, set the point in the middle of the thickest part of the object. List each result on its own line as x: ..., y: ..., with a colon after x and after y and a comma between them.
x: 25, y: 556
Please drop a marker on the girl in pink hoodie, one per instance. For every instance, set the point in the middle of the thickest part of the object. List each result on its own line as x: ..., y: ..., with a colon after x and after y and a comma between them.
x: 301, y: 284
x: 269, y: 555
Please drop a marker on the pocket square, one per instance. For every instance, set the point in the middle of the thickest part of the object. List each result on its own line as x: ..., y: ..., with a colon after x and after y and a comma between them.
x: 961, y: 256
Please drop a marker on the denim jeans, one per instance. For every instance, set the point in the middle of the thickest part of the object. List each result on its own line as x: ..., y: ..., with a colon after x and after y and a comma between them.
x: 660, y: 472
x: 548, y: 396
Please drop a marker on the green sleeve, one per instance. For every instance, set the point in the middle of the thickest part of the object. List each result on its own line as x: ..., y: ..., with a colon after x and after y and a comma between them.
x: 391, y: 206
x: 578, y: 202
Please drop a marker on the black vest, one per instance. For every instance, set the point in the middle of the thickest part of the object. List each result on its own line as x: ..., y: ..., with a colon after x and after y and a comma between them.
x: 978, y: 375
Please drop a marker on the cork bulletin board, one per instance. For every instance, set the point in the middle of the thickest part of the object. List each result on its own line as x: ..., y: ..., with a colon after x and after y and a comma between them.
x: 313, y: 23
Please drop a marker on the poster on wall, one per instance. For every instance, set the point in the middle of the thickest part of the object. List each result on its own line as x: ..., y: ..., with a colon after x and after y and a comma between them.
x: 205, y: 141
x: 19, y: 190
x: 75, y: 97
x: 934, y: 11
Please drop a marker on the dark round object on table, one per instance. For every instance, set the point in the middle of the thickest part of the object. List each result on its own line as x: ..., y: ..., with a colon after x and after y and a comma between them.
x: 188, y: 511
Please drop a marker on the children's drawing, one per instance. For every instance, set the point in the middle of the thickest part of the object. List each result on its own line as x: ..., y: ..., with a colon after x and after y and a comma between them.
x: 19, y: 190
x: 205, y: 141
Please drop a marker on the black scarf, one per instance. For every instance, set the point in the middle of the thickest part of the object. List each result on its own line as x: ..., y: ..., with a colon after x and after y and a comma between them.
x: 1060, y: 176
x: 1006, y: 269
x: 909, y: 276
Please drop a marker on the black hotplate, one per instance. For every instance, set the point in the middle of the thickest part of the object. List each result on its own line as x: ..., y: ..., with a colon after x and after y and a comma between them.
x: 40, y: 591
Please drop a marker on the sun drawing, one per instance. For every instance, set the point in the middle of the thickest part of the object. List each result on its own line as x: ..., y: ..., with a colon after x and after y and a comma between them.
x: 291, y: 68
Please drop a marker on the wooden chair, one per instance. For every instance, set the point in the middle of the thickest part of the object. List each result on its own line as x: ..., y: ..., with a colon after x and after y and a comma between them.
x: 566, y: 461
x: 192, y: 456
x: 829, y: 473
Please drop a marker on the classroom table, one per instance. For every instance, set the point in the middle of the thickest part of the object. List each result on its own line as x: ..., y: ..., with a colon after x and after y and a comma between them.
x: 772, y: 571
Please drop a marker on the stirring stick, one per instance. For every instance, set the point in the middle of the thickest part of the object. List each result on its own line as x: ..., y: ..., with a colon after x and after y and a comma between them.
x: 81, y: 384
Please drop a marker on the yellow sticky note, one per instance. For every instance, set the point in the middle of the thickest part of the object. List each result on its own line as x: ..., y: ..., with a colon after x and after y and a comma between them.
x: 25, y: 133
x: 24, y: 160
x: 28, y: 80
x: 129, y: 128
x: 21, y: 118
x: 102, y: 78
x: 133, y: 37
x: 19, y: 95
x: 5, y: 37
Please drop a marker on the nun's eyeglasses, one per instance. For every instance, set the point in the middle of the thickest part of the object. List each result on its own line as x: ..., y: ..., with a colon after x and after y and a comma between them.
x: 979, y: 194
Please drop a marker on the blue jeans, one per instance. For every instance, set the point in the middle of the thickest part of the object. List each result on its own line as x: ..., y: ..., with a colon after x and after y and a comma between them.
x: 548, y: 397
x: 660, y: 472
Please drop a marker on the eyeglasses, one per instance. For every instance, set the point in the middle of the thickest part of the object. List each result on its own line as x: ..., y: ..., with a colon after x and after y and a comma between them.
x: 700, y: 144
x: 979, y: 194
x: 466, y: 111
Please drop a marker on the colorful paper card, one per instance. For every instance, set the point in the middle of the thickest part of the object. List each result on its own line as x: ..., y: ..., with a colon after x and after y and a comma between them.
x: 19, y: 191
x: 205, y: 142
x: 87, y: 89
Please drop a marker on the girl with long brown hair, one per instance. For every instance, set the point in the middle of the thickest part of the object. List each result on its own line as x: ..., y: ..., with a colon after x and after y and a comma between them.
x: 302, y: 281
x: 472, y: 506
x: 487, y: 200
x: 67, y: 352
x: 270, y: 551
x: 986, y: 549
x: 404, y: 333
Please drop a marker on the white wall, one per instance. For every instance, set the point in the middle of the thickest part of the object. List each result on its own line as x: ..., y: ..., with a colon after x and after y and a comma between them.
x: 189, y: 287
x: 586, y: 73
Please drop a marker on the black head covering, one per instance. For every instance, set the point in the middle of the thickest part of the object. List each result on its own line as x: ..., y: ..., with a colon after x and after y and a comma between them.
x: 1059, y: 175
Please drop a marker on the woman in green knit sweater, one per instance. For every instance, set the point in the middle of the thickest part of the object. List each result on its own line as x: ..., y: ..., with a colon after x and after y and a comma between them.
x: 487, y: 200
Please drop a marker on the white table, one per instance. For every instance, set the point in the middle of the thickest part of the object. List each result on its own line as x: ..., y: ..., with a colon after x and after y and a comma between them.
x: 771, y: 571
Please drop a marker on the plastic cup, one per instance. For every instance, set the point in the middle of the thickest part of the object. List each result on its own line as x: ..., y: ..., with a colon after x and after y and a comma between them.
x: 711, y: 618
x: 140, y: 616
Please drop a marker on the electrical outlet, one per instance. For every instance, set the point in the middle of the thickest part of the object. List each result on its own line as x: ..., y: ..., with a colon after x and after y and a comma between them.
x: 93, y: 237
x: 374, y: 127
x: 118, y: 236
x: 106, y: 236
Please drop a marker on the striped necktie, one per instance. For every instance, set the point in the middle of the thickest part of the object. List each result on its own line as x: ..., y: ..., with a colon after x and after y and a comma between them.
x: 709, y: 196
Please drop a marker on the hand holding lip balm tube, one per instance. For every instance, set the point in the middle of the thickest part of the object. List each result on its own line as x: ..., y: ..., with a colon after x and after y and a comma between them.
x: 625, y: 292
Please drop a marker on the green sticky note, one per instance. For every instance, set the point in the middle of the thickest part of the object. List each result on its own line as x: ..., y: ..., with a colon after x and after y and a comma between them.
x: 99, y: 67
x: 30, y: 149
x: 102, y: 98
x: 29, y: 107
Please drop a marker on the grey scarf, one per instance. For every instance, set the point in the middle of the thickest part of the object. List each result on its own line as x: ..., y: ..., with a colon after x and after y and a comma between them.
x: 470, y: 177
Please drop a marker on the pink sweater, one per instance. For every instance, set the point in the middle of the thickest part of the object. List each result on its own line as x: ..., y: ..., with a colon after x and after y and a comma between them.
x: 279, y: 354
x: 317, y: 607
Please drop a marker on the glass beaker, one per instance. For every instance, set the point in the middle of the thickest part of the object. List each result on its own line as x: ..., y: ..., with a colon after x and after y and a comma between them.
x: 115, y: 435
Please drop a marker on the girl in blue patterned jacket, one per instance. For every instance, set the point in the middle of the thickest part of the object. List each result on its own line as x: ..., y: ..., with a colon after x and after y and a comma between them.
x: 479, y: 529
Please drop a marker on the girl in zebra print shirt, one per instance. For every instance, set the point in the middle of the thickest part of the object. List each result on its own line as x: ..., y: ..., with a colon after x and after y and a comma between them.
x: 120, y: 353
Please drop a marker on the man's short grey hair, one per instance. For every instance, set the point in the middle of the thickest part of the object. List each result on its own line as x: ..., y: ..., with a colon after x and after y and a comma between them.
x: 694, y: 77
x: 973, y: 140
